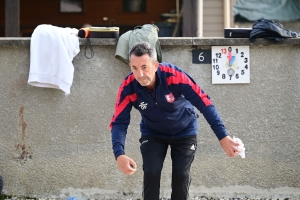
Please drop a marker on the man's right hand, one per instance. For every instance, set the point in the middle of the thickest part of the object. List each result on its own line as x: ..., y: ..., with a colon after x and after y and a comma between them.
x: 126, y: 164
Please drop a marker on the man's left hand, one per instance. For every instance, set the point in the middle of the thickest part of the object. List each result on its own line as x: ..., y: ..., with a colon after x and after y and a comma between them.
x: 230, y: 146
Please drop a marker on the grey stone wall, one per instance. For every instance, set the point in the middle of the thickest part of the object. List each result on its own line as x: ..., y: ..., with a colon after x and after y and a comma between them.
x: 58, y: 146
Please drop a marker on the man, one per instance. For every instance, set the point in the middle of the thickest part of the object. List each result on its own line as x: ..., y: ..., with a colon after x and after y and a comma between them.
x: 165, y: 96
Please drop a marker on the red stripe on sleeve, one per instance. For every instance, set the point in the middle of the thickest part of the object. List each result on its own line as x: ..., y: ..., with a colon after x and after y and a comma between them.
x: 119, y: 107
x: 124, y: 83
x: 180, y: 77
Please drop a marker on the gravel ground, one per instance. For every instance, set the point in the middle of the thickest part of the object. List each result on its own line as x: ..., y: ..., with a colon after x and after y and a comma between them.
x: 204, y: 198
x: 196, y: 198
x: 3, y: 197
x: 245, y: 198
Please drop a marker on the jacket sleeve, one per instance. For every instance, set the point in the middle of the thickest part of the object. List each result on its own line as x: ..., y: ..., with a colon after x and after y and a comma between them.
x: 185, y: 85
x: 120, y: 121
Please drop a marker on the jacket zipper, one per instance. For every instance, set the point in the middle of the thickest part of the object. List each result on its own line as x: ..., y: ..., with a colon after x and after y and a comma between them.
x: 161, y: 110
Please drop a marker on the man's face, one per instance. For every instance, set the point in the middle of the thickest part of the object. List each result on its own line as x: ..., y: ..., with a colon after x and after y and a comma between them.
x: 143, y: 70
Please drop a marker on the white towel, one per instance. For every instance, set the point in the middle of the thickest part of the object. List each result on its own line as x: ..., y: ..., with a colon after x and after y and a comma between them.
x: 241, y: 146
x: 52, y: 50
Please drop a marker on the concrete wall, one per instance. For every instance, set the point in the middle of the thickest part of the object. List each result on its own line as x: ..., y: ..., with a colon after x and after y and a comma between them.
x: 58, y: 146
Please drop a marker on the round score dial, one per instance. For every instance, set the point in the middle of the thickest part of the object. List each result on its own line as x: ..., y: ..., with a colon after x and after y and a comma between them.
x: 230, y: 64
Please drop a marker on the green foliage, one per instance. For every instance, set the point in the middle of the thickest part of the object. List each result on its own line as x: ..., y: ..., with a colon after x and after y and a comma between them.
x: 5, y: 197
x: 2, y: 197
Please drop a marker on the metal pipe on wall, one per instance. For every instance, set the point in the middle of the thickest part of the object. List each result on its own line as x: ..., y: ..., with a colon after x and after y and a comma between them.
x: 200, y: 19
x: 226, y: 7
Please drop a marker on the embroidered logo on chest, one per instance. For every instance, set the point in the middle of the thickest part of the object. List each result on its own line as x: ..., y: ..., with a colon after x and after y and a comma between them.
x: 170, y: 98
x: 143, y: 105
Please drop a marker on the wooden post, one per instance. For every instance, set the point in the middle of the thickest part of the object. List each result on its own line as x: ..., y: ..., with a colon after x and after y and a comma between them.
x: 12, y: 18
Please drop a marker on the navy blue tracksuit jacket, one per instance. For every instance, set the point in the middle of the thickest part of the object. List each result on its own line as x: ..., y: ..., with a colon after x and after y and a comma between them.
x: 170, y: 114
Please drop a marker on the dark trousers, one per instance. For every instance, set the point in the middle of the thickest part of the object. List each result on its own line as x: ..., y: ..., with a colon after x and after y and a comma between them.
x: 182, y: 154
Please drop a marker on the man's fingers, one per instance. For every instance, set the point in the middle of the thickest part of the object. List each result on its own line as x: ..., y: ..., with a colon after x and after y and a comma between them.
x: 132, y: 167
x: 132, y: 164
x: 126, y: 164
x: 237, y: 150
x: 233, y: 152
x: 130, y: 171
